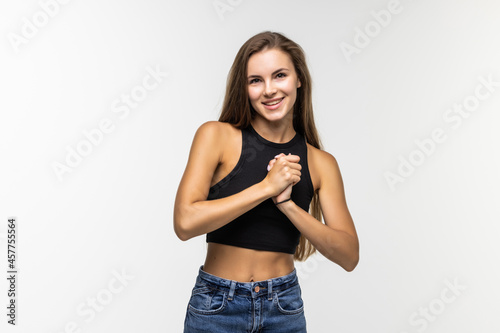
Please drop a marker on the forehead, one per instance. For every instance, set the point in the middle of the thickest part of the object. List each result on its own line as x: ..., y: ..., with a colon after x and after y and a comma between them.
x: 267, y: 61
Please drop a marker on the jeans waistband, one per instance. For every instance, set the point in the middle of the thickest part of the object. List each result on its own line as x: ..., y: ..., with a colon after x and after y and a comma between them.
x: 253, y: 289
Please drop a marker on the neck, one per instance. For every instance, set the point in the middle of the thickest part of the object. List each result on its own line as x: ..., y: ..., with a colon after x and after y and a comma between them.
x: 279, y: 132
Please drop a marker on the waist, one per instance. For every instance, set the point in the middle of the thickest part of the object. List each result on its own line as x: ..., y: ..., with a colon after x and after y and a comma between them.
x: 246, y: 265
x: 253, y: 289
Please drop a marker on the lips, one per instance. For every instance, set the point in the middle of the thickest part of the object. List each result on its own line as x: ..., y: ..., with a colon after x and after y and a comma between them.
x: 273, y: 101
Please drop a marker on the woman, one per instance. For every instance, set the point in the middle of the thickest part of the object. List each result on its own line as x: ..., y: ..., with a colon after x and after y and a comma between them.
x: 248, y: 185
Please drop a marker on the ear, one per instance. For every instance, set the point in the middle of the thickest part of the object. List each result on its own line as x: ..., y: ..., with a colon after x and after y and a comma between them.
x: 299, y: 84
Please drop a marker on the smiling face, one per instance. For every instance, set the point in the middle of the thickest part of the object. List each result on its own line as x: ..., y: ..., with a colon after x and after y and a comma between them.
x: 272, y: 79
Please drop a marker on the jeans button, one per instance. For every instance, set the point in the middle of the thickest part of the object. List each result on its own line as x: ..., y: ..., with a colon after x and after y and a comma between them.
x: 257, y: 289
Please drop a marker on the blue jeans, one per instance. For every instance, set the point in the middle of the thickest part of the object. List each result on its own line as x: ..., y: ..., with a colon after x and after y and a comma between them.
x: 218, y: 305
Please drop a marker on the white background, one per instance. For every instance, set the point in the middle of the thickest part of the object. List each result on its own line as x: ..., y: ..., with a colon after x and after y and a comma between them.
x: 113, y: 212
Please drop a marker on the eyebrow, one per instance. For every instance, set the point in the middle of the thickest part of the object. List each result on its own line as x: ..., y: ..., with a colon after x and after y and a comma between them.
x: 276, y: 71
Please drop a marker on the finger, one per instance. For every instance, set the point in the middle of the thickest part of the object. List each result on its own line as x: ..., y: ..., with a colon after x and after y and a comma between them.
x: 292, y: 158
x: 296, y: 166
x: 290, y: 165
x: 279, y: 155
x: 271, y: 164
x: 290, y: 175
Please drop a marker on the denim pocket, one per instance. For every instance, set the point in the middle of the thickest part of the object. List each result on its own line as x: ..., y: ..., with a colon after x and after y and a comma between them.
x: 207, y: 300
x: 289, y: 301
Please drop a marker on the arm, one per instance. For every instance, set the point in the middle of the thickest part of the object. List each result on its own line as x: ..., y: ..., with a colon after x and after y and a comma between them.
x: 337, y: 239
x: 194, y: 215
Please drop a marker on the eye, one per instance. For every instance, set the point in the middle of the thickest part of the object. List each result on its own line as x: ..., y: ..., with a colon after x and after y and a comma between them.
x: 252, y: 80
x: 284, y: 75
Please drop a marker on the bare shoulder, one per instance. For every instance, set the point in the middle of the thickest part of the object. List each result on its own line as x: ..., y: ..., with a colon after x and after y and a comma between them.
x: 213, y: 132
x: 322, y: 165
x: 204, y: 157
x: 218, y: 138
x: 218, y: 129
x: 211, y: 127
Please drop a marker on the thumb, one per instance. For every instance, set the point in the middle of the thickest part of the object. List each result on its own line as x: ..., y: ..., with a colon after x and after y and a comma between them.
x: 271, y: 164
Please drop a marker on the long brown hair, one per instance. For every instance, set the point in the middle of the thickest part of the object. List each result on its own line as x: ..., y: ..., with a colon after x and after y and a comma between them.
x: 238, y: 111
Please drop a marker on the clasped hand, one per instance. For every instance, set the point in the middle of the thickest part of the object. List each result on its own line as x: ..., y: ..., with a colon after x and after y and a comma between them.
x: 283, y: 173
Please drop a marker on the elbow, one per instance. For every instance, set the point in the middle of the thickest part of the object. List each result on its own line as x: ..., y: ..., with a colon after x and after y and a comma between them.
x: 353, y: 262
x: 351, y: 265
x: 181, y: 234
x: 348, y: 264
x: 182, y: 231
x: 180, y: 228
x: 354, y: 257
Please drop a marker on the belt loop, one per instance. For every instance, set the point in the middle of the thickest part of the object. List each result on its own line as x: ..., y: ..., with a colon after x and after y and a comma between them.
x: 231, y: 290
x: 270, y: 289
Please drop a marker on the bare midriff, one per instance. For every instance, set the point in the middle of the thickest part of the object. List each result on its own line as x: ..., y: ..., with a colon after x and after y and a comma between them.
x: 246, y: 265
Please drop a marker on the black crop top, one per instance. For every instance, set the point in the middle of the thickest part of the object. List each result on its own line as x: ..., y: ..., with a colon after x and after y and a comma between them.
x: 263, y: 227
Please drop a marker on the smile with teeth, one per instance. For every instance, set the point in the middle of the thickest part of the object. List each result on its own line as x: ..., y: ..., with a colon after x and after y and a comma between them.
x: 274, y: 103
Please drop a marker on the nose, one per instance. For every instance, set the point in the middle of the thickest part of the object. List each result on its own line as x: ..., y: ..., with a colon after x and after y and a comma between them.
x: 269, y: 90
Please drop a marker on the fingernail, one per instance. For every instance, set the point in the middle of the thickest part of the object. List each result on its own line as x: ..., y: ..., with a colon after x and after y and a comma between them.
x: 276, y: 156
x: 268, y: 167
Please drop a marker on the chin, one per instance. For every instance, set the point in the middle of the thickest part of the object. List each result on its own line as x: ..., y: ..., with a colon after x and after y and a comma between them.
x: 273, y: 115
